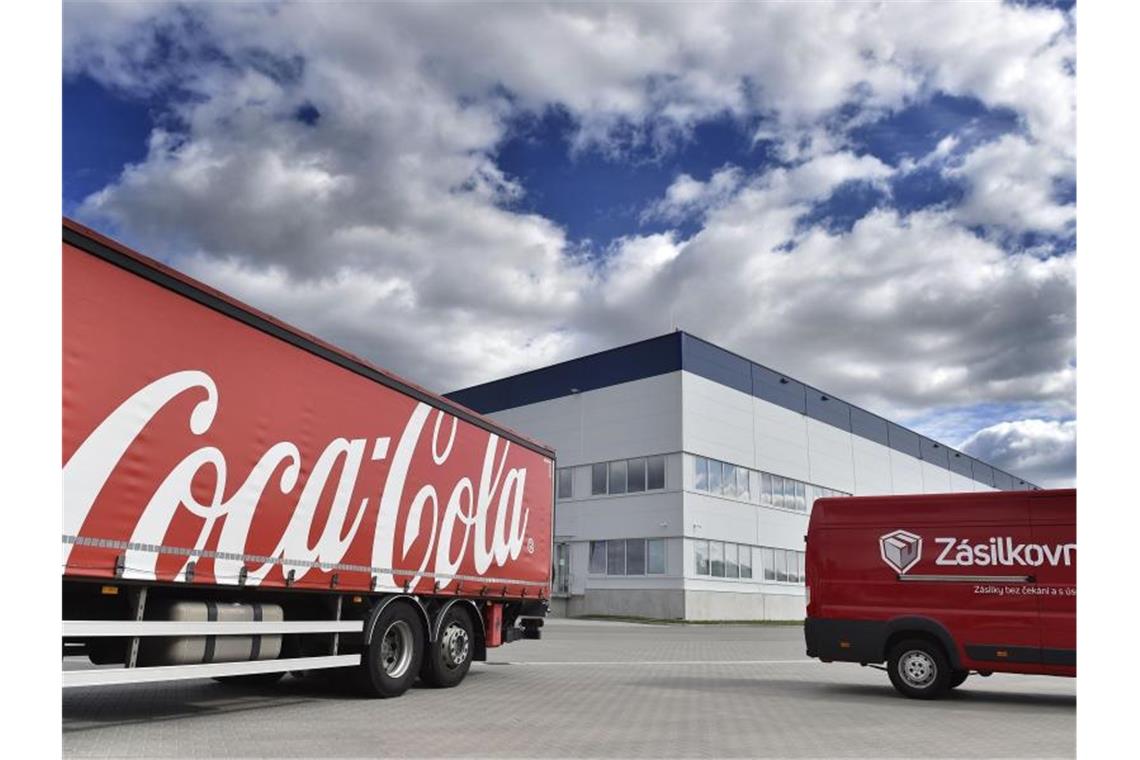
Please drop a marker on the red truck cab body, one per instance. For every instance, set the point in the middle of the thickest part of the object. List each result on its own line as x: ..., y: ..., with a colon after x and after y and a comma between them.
x: 942, y: 585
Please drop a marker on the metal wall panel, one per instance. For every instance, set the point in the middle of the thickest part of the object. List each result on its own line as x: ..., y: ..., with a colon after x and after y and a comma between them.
x: 824, y: 408
x: 959, y: 463
x: 903, y: 440
x: 778, y: 389
x: 1003, y: 481
x: 866, y: 425
x: 648, y: 358
x: 982, y: 472
x: 716, y: 364
x: 935, y: 453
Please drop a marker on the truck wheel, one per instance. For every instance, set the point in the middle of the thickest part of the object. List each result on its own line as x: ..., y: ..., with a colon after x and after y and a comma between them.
x: 957, y: 678
x: 391, y: 661
x: 919, y: 669
x: 448, y: 658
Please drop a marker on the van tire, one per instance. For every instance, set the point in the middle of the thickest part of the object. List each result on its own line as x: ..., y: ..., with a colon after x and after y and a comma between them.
x: 391, y: 662
x: 957, y: 678
x: 919, y: 669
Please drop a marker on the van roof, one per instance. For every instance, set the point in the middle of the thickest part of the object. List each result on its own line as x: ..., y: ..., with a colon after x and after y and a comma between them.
x: 989, y: 507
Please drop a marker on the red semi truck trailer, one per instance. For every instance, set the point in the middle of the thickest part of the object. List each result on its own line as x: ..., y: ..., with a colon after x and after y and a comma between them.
x: 944, y: 585
x: 243, y: 500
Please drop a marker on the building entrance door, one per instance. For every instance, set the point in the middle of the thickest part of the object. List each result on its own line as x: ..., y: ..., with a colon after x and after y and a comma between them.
x: 561, y: 568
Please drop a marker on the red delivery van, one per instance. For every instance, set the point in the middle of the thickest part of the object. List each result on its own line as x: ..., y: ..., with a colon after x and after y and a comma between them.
x: 939, y: 586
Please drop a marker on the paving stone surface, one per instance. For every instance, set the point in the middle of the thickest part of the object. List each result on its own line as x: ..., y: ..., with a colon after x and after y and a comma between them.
x: 592, y: 689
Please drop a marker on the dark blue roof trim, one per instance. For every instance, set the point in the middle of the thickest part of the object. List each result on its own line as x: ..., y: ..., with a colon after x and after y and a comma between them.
x: 777, y: 389
x: 906, y: 441
x: 679, y: 350
x: 869, y: 426
x: 637, y: 361
x: 716, y: 364
x: 960, y: 464
x: 824, y: 408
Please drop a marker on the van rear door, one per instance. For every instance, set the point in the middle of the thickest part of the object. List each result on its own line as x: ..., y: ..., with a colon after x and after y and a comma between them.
x: 1054, y: 517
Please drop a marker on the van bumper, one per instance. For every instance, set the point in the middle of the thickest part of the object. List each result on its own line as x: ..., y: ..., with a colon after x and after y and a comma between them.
x: 845, y: 640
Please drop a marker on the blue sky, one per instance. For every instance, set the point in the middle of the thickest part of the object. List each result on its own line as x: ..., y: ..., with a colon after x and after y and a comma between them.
x: 876, y: 199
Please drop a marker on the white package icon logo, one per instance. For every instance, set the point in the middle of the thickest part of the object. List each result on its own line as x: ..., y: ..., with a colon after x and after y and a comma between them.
x: 900, y: 549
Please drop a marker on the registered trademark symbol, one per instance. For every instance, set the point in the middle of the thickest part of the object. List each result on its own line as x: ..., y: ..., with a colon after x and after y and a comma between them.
x: 530, y: 546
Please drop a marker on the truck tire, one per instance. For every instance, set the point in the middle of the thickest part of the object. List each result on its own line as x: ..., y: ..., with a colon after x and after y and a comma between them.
x: 391, y: 662
x: 919, y: 669
x: 957, y: 678
x: 448, y: 658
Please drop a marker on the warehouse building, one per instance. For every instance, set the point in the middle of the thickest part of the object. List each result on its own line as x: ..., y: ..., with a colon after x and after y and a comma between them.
x: 686, y: 474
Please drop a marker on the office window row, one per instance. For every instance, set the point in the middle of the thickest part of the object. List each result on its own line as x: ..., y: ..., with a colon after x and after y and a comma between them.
x: 628, y: 556
x: 724, y: 479
x: 722, y: 559
x: 786, y: 493
x: 628, y: 476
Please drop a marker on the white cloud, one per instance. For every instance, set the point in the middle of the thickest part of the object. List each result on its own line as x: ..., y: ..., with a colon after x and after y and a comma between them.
x: 387, y: 225
x: 1042, y: 451
x: 687, y: 197
x: 897, y: 314
x: 1011, y: 185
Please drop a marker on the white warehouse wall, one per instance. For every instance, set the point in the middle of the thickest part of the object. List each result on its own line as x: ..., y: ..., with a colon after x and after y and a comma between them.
x: 736, y: 427
x: 683, y: 412
x: 872, y: 467
x: 618, y: 422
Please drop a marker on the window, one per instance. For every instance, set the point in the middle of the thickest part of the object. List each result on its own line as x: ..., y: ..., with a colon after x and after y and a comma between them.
x: 801, y: 499
x: 731, y: 566
x: 565, y: 484
x: 716, y: 558
x: 769, y: 561
x: 617, y: 477
x: 701, y: 555
x: 615, y: 557
x: 656, y: 472
x: 636, y: 481
x: 800, y: 576
x: 765, y: 488
x: 714, y: 476
x: 742, y: 483
x: 746, y: 562
x: 656, y: 552
x: 598, y: 479
x: 597, y: 557
x: 728, y: 480
x: 635, y: 556
x: 702, y: 480
x: 781, y: 565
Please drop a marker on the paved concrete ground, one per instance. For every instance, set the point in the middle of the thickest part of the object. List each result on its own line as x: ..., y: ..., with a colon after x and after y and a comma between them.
x: 592, y: 689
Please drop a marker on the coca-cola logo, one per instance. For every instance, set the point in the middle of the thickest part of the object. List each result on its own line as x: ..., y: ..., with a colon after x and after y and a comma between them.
x: 460, y: 511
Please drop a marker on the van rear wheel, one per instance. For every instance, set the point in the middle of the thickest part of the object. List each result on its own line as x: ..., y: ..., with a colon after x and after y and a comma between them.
x: 919, y: 669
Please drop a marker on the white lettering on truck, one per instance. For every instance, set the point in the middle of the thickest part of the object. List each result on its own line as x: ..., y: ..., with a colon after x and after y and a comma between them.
x: 1001, y: 551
